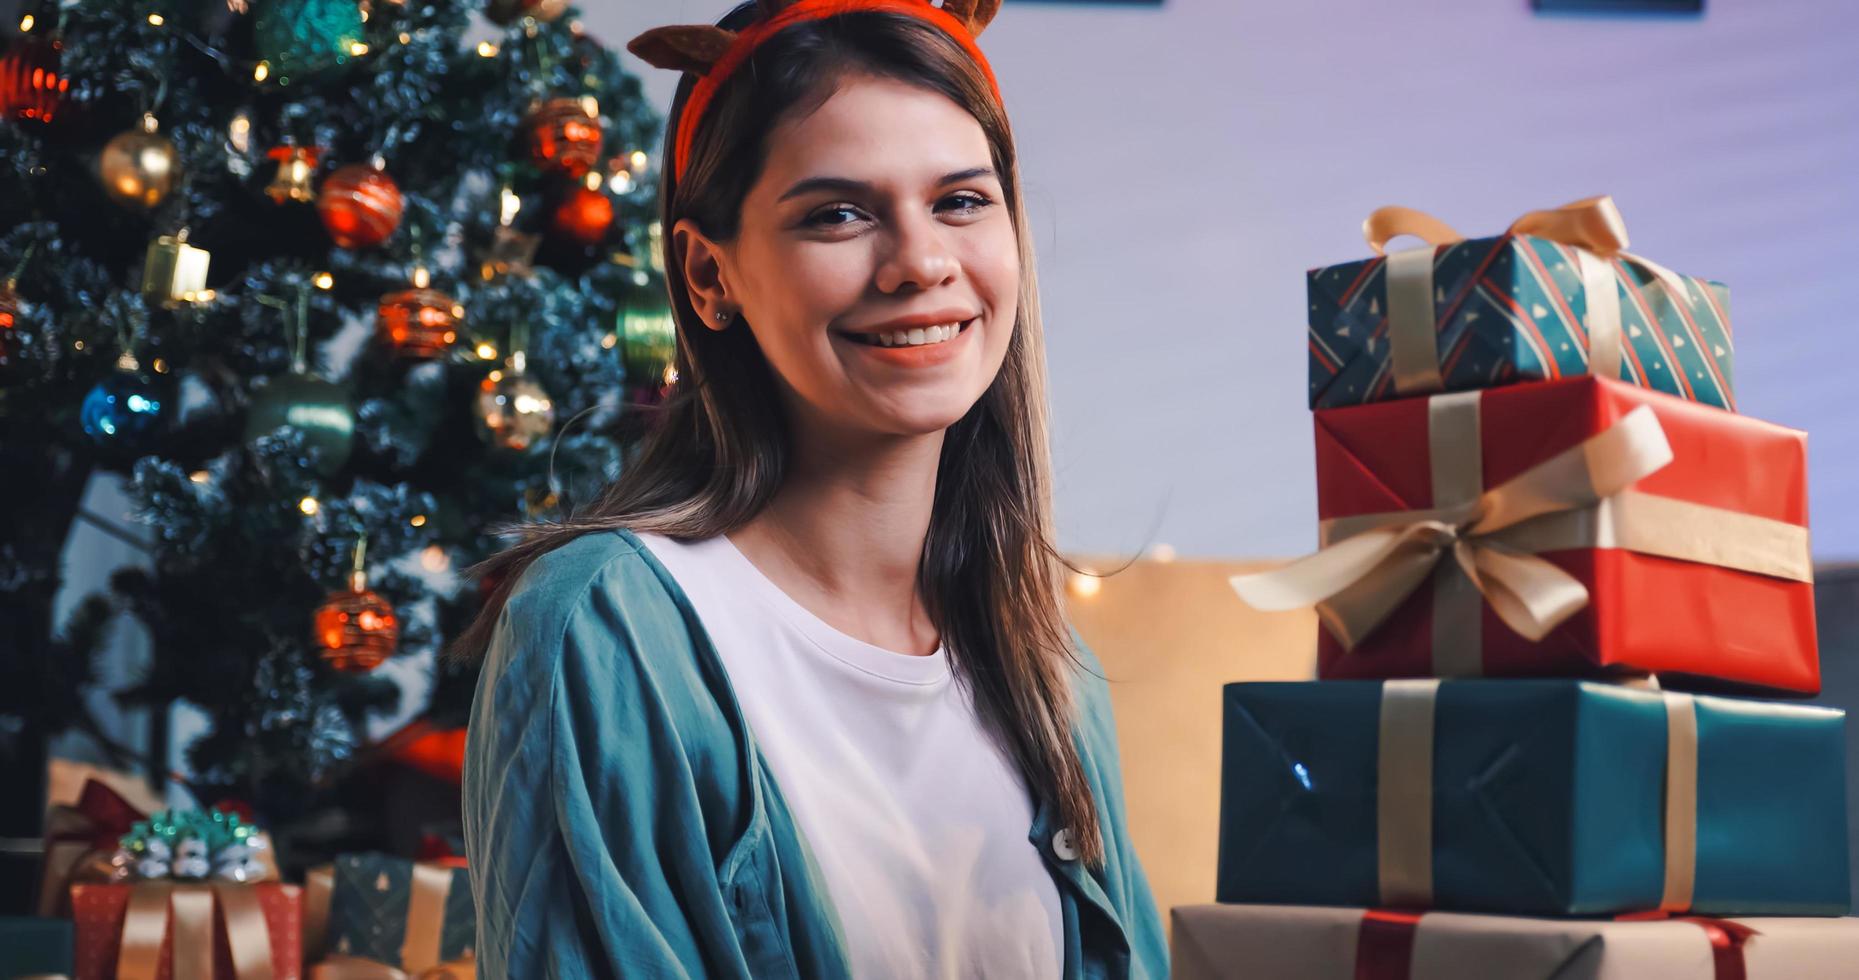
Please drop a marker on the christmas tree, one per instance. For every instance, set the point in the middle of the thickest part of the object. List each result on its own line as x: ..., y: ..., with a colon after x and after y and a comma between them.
x: 340, y: 289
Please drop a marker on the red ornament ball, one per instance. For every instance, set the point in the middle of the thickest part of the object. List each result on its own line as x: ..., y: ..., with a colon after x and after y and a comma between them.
x: 419, y: 323
x: 356, y: 629
x: 564, y: 135
x: 9, y: 329
x: 360, y: 205
x: 31, y: 86
x: 584, y: 217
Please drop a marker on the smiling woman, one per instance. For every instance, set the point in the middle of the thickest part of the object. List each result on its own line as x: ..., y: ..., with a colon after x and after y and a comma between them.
x: 877, y: 220
x: 796, y: 696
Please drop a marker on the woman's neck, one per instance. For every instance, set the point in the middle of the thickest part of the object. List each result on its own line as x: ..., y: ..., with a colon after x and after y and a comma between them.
x: 844, y: 534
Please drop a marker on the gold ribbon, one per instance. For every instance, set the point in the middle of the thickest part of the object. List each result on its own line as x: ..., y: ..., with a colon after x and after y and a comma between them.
x: 357, y: 968
x: 425, y: 916
x: 1593, y: 227
x: 318, y: 883
x: 145, y: 925
x: 1369, y: 564
x: 1404, y: 796
x: 1681, y: 802
x: 1404, y: 793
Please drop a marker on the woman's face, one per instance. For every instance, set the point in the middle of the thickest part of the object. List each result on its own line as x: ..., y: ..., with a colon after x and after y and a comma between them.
x: 876, y: 226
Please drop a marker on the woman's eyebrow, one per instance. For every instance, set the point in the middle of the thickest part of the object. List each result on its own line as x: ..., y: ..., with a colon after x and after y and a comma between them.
x: 847, y: 184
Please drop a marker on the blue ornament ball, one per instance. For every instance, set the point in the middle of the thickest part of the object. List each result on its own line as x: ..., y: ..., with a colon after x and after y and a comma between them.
x: 122, y: 407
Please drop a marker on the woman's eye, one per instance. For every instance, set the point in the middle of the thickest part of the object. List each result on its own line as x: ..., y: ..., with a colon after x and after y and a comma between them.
x: 967, y: 203
x: 970, y: 202
x: 819, y: 217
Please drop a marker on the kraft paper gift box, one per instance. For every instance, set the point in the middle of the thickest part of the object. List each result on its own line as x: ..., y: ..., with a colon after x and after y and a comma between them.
x: 1582, y: 527
x: 1535, y: 797
x: 1263, y: 942
x: 1555, y: 296
x: 163, y: 930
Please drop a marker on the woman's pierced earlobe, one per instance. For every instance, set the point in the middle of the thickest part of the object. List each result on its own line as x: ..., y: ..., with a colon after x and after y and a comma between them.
x: 722, y: 316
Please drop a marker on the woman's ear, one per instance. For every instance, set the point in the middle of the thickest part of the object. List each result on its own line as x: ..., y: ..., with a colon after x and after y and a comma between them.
x: 702, y: 261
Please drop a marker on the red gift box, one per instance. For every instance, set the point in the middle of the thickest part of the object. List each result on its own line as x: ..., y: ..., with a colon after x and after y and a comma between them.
x: 1696, y: 564
x: 140, y: 921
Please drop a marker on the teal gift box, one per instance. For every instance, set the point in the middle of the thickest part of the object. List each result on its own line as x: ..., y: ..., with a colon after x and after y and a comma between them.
x: 35, y: 946
x: 1544, y: 797
x: 374, y: 912
x: 1512, y: 308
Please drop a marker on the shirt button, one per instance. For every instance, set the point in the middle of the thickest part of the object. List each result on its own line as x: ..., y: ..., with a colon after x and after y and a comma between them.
x: 1062, y: 845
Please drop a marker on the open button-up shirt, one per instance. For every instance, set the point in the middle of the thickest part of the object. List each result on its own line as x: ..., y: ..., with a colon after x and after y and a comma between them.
x: 620, y: 822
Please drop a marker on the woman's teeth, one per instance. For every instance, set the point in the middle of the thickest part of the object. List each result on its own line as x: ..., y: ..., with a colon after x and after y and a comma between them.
x: 914, y: 337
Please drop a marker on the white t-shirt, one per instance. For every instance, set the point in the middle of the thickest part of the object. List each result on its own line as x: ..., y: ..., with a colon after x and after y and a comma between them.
x: 918, y: 820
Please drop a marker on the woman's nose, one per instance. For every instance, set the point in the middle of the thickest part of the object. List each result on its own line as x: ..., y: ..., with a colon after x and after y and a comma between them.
x: 919, y: 255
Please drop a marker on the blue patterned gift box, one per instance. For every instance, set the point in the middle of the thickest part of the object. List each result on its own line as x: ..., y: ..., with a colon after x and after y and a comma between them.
x: 1512, y: 308
x: 1534, y: 797
x: 369, y: 903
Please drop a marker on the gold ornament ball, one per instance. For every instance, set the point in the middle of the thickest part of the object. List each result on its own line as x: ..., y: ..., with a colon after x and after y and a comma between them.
x: 139, y: 167
x: 513, y: 412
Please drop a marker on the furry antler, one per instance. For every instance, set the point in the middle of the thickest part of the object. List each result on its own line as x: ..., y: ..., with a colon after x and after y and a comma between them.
x: 974, y: 14
x: 682, y: 47
x: 696, y: 47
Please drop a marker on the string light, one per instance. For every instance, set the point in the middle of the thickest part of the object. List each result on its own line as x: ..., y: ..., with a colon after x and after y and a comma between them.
x: 434, y: 558
x: 200, y: 476
x: 261, y: 71
x: 358, y: 49
x: 486, y: 49
x: 308, y: 505
x: 324, y: 280
x: 1085, y: 583
x: 1162, y: 552
x: 608, y: 341
x: 25, y: 24
x: 487, y: 352
x: 155, y: 19
x: 417, y: 520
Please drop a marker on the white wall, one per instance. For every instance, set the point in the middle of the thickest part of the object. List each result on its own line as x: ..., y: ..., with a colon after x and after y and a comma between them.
x: 1186, y: 163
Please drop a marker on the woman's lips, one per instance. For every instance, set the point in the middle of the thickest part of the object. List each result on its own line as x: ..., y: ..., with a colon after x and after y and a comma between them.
x: 916, y: 355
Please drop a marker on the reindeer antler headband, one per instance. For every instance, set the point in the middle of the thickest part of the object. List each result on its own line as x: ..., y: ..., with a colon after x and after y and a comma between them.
x: 714, y: 53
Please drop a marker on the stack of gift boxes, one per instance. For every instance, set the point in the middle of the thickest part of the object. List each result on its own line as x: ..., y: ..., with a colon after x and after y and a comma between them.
x: 1541, y: 520
x: 129, y: 892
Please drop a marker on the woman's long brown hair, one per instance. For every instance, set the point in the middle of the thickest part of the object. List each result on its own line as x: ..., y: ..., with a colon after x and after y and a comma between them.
x: 718, y: 449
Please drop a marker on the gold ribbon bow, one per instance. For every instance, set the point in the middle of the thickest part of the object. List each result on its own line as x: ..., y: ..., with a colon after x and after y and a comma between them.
x: 1593, y: 227
x: 145, y: 925
x: 1580, y: 498
x: 1404, y: 796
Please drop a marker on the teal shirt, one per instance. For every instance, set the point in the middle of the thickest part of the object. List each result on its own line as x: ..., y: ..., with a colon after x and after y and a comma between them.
x: 621, y: 822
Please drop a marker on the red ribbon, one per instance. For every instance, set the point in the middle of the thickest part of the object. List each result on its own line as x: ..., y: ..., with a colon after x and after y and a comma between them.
x: 1727, y: 939
x: 1385, y: 942
x: 109, y: 815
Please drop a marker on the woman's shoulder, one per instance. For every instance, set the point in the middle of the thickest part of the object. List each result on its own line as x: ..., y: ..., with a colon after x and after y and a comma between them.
x: 600, y: 591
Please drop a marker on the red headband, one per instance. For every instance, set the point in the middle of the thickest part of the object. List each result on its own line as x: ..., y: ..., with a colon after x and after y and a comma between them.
x: 751, y: 37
